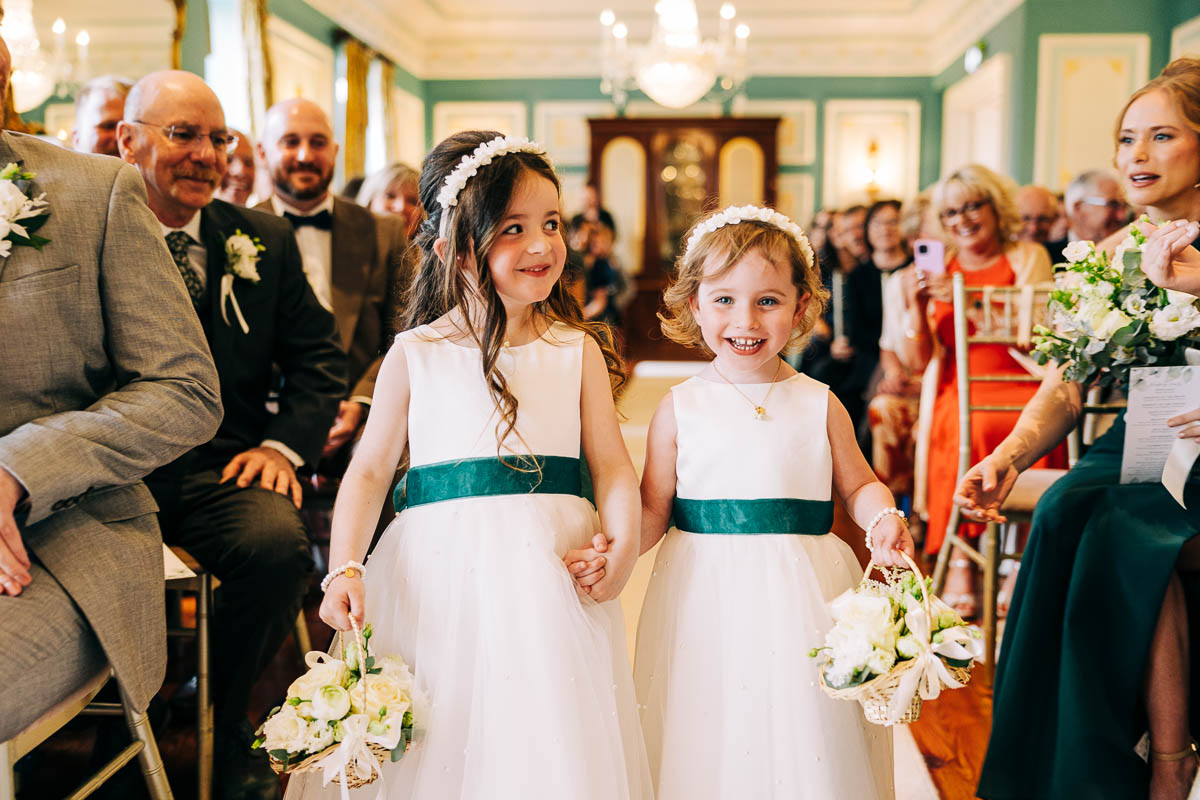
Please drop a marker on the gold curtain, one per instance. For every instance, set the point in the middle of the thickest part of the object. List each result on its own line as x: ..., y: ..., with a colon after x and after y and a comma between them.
x: 387, y: 74
x: 358, y: 63
x: 258, y: 62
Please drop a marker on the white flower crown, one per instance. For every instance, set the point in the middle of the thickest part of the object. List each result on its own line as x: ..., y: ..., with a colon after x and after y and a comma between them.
x: 469, y: 166
x: 736, y: 214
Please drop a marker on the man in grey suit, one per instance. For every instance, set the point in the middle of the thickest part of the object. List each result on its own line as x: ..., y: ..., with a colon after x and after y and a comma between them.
x: 233, y: 502
x: 106, y: 376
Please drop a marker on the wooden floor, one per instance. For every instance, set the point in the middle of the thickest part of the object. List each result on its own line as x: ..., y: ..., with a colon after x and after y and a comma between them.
x: 951, y: 734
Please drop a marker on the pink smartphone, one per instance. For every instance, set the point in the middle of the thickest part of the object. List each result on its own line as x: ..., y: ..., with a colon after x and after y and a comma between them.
x: 930, y: 256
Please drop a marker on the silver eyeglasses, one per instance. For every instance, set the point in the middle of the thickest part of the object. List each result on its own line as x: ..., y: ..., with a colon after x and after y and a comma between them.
x: 189, y: 136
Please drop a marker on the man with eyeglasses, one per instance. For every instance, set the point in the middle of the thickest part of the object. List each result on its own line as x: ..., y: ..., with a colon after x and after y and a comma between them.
x: 234, y: 502
x: 98, y: 110
x: 1095, y: 205
x: 1039, y: 210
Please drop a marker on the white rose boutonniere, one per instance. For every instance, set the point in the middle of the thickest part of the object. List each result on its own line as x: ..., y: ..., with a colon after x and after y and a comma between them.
x: 241, y: 261
x: 20, y: 214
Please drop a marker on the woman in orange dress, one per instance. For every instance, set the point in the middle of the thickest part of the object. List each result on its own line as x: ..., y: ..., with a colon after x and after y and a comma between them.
x: 979, y: 219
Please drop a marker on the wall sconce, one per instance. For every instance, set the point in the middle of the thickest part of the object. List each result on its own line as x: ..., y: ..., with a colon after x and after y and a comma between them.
x: 974, y: 56
x: 871, y: 170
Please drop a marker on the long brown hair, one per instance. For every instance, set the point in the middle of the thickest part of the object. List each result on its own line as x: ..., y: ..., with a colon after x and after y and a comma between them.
x: 441, y: 284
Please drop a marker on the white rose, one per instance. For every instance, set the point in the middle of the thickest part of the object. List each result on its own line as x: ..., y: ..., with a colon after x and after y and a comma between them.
x: 1112, y: 322
x: 284, y: 730
x: 1078, y: 251
x: 328, y: 673
x: 862, y: 611
x: 395, y: 667
x: 908, y: 646
x: 330, y: 703
x: 381, y: 692
x: 849, y: 646
x: 1172, y: 322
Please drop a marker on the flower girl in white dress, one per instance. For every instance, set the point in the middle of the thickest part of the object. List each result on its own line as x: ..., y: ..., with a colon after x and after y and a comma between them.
x: 495, y: 387
x: 745, y: 457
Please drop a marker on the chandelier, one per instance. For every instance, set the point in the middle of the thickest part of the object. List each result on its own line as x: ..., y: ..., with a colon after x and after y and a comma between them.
x: 676, y: 68
x: 35, y: 74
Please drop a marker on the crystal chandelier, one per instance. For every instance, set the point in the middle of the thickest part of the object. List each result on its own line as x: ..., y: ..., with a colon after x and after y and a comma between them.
x: 32, y: 83
x: 676, y: 68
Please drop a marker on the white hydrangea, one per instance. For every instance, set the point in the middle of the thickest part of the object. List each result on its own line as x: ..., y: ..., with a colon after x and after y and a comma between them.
x: 735, y: 214
x: 1078, y: 251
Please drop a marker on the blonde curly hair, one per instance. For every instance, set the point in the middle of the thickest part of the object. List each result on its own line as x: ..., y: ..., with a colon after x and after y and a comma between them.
x: 717, y: 253
x: 981, y: 183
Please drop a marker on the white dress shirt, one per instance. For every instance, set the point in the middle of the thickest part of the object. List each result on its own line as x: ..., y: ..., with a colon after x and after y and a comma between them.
x: 316, y: 249
x: 197, y: 254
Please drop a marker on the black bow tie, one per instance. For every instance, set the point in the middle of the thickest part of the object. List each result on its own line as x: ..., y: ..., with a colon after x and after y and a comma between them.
x: 321, y: 221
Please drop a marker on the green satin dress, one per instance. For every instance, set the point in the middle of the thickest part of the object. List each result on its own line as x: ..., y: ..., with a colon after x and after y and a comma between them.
x: 1069, y: 701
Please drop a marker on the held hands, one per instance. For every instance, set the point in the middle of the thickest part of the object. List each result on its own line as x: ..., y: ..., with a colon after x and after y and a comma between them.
x: 889, y: 536
x: 278, y: 474
x: 1168, y: 259
x: 600, y: 570
x: 345, y: 425
x: 985, y: 486
x: 344, y: 598
x: 14, y: 561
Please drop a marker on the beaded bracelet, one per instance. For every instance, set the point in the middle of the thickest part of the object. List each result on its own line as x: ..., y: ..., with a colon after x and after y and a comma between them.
x: 876, y: 520
x: 351, y: 569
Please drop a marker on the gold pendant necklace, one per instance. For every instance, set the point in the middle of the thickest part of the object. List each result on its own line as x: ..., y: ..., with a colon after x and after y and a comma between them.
x: 760, y: 409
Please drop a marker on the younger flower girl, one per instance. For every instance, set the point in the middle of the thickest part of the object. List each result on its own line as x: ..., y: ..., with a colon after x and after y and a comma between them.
x: 745, y: 457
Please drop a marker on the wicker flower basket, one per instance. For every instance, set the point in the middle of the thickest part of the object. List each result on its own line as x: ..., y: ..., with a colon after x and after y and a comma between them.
x: 312, y: 762
x: 876, y: 694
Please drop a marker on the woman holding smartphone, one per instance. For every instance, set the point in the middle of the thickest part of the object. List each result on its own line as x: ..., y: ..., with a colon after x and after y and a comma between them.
x: 980, y: 223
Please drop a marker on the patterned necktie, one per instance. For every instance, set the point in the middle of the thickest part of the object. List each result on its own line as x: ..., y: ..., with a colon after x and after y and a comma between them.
x: 177, y: 243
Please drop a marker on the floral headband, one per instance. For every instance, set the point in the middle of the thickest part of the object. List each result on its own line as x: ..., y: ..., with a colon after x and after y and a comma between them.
x: 469, y: 166
x: 736, y: 214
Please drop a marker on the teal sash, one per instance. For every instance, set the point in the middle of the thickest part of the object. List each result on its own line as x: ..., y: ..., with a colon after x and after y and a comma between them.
x: 783, y: 515
x: 485, y: 477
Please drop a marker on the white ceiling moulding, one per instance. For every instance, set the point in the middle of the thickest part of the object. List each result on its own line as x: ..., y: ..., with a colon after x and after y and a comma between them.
x: 473, y: 39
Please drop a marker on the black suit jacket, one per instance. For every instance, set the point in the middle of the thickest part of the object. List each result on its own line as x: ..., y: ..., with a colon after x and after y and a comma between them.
x: 288, y: 328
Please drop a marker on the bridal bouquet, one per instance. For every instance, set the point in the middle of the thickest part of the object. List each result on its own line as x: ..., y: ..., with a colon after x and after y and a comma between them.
x: 1108, y: 316
x: 894, y: 644
x: 343, y: 716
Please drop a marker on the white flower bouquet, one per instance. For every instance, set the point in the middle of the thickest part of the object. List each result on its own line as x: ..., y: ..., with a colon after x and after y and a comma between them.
x: 1109, y: 317
x: 344, y: 716
x: 893, y: 644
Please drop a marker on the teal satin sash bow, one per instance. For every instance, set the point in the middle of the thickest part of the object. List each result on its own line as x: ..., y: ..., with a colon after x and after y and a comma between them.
x: 485, y: 477
x: 783, y: 515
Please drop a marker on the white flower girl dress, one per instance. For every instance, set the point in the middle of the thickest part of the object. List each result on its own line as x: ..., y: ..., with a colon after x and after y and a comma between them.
x: 530, y: 690
x: 731, y: 708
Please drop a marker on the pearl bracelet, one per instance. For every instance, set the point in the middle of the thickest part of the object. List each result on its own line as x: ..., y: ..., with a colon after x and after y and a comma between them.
x: 351, y: 569
x: 876, y: 520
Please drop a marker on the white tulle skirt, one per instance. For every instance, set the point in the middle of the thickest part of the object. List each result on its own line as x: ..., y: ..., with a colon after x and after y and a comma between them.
x: 529, y: 681
x: 731, y: 708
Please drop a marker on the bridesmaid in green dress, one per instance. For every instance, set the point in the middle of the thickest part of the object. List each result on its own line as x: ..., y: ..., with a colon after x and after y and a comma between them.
x: 1096, y: 647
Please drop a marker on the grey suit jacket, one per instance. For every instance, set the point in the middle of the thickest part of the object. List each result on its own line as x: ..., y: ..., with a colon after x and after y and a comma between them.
x: 370, y: 270
x: 106, y: 375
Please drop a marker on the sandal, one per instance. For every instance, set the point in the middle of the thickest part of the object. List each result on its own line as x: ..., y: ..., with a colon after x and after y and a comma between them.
x: 1005, y: 595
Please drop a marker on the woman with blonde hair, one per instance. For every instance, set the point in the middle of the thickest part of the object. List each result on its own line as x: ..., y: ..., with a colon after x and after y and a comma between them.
x: 394, y: 190
x: 1096, y: 646
x: 980, y: 222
